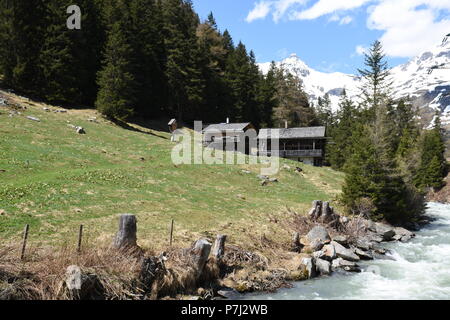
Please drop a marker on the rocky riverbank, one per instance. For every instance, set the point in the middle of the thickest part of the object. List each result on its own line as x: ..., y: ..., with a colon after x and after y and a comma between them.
x: 322, y: 243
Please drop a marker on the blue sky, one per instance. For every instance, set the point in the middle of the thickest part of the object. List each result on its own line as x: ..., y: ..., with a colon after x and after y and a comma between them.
x: 330, y: 35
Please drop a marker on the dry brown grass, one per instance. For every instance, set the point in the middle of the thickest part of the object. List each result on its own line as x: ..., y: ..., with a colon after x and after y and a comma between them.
x: 41, y: 276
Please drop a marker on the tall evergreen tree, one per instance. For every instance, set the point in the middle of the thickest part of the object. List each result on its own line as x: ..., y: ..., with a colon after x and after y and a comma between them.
x: 375, y: 76
x: 338, y: 150
x: 149, y: 57
x: 183, y: 68
x: 21, y: 36
x: 372, y: 170
x: 433, y: 165
x: 117, y: 88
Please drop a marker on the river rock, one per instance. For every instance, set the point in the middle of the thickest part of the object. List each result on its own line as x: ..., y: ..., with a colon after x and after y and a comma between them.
x: 228, y: 293
x: 379, y: 256
x: 403, y: 235
x: 363, y: 255
x: 363, y: 244
x: 318, y: 233
x: 329, y: 253
x: 344, y: 253
x: 386, y: 232
x: 323, y: 267
x: 310, y: 267
x: 349, y: 266
x: 374, y: 237
x: 79, y: 284
x: 315, y: 245
x: 341, y: 240
x: 412, y: 226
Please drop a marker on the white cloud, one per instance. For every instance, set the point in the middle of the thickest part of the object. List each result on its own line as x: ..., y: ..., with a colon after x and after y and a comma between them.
x: 346, y: 20
x: 324, y: 7
x: 282, y: 6
x: 278, y: 8
x: 360, y: 50
x: 260, y: 11
x: 410, y: 26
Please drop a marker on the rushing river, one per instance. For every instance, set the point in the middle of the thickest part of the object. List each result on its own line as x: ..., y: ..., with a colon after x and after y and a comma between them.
x: 421, y: 270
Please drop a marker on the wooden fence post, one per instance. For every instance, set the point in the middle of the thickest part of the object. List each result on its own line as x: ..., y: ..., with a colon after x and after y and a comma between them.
x: 24, y: 243
x: 80, y: 237
x: 171, y: 232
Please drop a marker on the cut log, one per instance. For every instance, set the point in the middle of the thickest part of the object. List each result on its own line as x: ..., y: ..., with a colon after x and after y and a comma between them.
x: 126, y: 236
x: 219, y: 247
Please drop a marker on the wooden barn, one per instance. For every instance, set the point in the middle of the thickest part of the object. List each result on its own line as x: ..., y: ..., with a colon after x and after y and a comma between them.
x: 305, y: 145
x: 227, y: 136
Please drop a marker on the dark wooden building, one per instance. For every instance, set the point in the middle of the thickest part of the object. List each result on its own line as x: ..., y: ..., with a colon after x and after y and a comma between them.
x: 306, y: 145
x: 227, y: 136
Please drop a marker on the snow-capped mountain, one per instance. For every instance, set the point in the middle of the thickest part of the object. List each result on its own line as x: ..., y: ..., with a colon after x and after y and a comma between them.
x: 317, y: 83
x: 428, y: 91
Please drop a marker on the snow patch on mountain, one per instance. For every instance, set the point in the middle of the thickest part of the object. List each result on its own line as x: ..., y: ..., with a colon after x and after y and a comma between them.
x: 428, y: 91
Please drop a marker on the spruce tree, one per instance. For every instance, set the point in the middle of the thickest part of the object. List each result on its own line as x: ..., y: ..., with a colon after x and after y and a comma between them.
x: 21, y: 36
x: 117, y: 88
x: 375, y: 75
x: 183, y: 68
x: 433, y: 165
x: 338, y: 150
x: 373, y: 170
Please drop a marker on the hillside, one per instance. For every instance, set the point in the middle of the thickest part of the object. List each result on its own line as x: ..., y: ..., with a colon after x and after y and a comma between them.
x: 55, y: 179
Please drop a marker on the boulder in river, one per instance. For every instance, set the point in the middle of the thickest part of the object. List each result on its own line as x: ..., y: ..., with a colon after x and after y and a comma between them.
x: 344, y: 253
x: 323, y: 267
x: 363, y: 255
x: 329, y: 253
x: 310, y: 267
x: 349, y: 266
x: 386, y: 232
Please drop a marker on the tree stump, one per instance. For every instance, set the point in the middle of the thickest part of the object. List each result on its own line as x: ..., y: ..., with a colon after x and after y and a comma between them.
x: 126, y: 236
x: 316, y: 210
x: 200, y: 253
x: 296, y: 244
x: 219, y: 247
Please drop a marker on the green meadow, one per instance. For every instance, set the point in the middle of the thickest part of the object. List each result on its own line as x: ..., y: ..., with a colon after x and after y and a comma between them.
x: 55, y: 180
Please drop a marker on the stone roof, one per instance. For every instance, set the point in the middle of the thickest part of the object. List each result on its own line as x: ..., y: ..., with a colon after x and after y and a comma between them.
x: 228, y: 127
x: 293, y: 133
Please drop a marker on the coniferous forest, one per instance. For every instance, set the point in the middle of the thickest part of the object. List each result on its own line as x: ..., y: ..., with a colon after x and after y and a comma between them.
x: 142, y: 58
x: 157, y: 59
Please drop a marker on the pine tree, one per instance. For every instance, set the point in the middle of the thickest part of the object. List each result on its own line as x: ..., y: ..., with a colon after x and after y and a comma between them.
x: 149, y: 57
x: 433, y: 165
x: 267, y: 97
x: 338, y: 150
x: 70, y: 59
x: 373, y: 169
x: 293, y: 102
x: 21, y: 39
x: 375, y: 76
x: 183, y: 68
x: 116, y: 97
x: 324, y: 112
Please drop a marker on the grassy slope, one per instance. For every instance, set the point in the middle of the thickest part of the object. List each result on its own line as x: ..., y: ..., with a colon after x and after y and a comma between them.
x: 56, y: 179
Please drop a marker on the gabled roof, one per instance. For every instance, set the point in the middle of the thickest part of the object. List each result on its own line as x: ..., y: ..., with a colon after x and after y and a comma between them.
x: 293, y: 133
x: 228, y: 126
